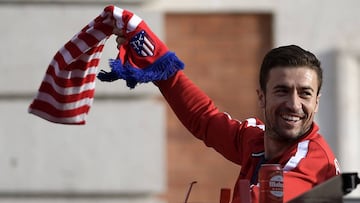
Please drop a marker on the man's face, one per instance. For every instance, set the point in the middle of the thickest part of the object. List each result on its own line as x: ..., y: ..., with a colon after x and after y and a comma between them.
x: 290, y: 102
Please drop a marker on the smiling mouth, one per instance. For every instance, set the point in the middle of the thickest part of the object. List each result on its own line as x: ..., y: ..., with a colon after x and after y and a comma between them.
x: 291, y: 118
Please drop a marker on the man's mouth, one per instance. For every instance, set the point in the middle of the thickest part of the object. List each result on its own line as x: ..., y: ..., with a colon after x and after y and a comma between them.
x: 291, y: 118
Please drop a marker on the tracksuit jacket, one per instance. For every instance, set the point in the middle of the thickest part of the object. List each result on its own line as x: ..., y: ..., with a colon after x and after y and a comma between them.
x: 308, y: 162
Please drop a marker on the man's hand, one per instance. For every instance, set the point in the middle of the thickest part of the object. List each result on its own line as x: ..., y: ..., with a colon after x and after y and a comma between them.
x: 120, y: 38
x: 142, y: 56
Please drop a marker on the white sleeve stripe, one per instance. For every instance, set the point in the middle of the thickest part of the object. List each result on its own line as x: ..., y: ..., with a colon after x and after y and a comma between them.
x: 252, y: 123
x: 302, y: 150
x: 229, y: 117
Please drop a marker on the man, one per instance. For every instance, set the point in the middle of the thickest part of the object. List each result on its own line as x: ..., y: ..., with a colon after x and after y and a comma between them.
x: 289, y: 94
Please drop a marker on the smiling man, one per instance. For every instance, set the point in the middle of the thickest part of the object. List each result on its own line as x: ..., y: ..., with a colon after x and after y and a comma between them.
x: 289, y: 94
x: 290, y: 103
x: 290, y: 82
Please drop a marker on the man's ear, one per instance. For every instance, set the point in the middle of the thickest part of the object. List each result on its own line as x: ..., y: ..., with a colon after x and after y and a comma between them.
x: 261, y: 98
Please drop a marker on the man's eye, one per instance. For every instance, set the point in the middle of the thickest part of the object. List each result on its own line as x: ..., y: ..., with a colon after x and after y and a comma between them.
x: 306, y: 94
x: 281, y: 91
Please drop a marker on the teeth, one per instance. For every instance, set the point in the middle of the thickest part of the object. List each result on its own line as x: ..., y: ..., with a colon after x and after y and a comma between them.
x: 290, y: 118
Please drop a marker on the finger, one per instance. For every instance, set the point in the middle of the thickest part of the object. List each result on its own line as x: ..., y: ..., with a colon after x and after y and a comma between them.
x: 118, y: 32
x: 120, y: 40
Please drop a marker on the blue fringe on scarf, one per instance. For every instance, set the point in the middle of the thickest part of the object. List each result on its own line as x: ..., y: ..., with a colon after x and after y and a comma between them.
x: 162, y: 69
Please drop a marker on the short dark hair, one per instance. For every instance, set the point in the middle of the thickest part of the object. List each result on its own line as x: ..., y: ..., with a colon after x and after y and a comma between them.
x: 286, y: 57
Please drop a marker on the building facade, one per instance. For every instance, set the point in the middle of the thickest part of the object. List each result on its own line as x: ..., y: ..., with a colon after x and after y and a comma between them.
x: 132, y: 148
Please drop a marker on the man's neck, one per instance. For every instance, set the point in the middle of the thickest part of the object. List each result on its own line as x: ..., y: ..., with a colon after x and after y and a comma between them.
x: 274, y: 147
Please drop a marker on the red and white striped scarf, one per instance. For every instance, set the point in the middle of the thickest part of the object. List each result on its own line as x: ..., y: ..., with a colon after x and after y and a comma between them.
x: 67, y: 90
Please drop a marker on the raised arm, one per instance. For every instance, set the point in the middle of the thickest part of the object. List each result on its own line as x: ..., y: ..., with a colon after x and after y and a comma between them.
x: 143, y: 57
x: 201, y: 117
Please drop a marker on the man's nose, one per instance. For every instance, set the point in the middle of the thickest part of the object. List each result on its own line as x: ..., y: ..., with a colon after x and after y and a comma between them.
x: 294, y: 102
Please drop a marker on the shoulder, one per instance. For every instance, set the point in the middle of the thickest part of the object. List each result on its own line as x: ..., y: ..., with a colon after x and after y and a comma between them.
x: 317, y: 144
x: 320, y: 149
x: 252, y: 133
x: 312, y: 157
x: 314, y: 154
x: 254, y: 124
x: 251, y: 128
x: 251, y: 125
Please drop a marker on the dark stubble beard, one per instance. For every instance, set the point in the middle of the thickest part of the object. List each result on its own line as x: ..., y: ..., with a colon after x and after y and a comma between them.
x: 275, y: 133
